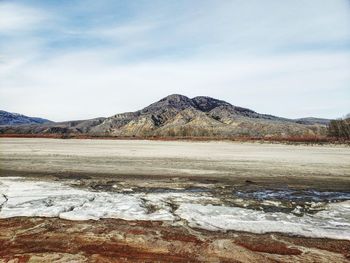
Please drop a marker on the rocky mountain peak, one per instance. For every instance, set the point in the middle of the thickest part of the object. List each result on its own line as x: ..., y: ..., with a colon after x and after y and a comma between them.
x: 206, y: 104
x: 176, y: 101
x: 181, y: 102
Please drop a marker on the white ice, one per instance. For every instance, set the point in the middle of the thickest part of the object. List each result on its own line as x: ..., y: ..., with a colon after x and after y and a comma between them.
x: 21, y: 197
x: 334, y: 222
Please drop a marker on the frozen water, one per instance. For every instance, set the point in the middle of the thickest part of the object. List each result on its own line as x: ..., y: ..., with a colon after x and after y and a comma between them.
x: 20, y: 197
x: 334, y: 222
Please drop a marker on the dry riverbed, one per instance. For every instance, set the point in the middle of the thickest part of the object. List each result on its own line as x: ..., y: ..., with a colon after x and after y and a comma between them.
x: 115, y: 201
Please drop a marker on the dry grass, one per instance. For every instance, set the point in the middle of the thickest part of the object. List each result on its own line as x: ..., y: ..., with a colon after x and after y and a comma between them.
x: 277, y: 139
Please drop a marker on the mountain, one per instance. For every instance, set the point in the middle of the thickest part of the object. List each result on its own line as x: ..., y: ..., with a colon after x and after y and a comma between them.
x: 8, y: 118
x: 312, y: 120
x: 178, y: 115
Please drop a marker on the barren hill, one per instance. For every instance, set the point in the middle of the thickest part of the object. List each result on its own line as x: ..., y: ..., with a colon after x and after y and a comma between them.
x: 177, y: 115
x: 9, y: 118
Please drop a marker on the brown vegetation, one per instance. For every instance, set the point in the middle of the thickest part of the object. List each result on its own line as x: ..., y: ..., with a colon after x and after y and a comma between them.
x: 339, y: 129
x: 285, y: 139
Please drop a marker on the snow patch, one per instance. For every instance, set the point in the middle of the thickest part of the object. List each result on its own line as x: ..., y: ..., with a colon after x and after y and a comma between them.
x: 20, y: 197
x: 334, y: 222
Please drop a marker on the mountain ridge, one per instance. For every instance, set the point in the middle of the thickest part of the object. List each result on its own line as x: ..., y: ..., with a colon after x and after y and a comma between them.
x: 10, y: 118
x: 178, y: 115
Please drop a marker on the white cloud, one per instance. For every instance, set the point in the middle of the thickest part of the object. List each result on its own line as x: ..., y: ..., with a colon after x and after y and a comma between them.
x: 16, y: 17
x: 83, y: 85
x: 245, y: 52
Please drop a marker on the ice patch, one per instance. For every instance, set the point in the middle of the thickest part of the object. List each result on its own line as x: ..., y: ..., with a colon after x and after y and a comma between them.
x: 334, y: 222
x: 20, y: 197
x: 48, y: 199
x: 106, y: 205
x: 3, y: 200
x: 294, y: 195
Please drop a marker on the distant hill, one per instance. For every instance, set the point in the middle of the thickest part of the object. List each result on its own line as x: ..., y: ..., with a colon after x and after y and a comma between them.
x: 179, y: 116
x: 311, y: 120
x: 8, y: 118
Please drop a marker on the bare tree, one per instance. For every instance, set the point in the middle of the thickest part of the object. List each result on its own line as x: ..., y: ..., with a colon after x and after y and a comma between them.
x: 339, y: 129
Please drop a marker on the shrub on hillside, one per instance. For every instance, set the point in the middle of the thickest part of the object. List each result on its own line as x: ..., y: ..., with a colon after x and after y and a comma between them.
x: 339, y: 129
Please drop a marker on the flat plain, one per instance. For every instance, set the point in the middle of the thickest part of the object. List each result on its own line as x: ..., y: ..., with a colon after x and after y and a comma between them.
x: 315, y: 165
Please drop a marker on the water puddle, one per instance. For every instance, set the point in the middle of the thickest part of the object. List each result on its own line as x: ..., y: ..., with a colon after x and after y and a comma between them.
x: 295, y: 195
x: 288, y: 200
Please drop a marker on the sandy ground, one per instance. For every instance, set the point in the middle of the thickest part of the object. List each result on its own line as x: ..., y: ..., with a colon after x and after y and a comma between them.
x: 144, y: 165
x: 312, y: 166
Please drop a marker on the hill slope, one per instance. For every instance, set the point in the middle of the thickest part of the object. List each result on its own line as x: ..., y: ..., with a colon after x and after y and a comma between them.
x: 8, y: 118
x: 178, y: 115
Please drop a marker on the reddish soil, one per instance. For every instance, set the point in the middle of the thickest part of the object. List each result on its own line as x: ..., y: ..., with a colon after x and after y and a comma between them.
x: 293, y: 139
x: 111, y: 240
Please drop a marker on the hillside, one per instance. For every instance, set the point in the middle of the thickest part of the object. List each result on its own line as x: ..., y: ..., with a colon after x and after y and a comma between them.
x: 311, y: 120
x: 179, y: 116
x: 8, y: 118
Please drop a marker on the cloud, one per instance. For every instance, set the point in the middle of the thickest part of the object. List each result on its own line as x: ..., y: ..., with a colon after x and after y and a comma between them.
x: 64, y: 61
x: 83, y: 85
x: 18, y: 18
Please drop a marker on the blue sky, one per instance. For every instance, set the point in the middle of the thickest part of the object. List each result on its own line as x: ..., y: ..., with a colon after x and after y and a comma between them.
x: 82, y: 59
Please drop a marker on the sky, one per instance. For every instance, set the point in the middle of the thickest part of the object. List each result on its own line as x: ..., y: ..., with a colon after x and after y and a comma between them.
x: 68, y: 59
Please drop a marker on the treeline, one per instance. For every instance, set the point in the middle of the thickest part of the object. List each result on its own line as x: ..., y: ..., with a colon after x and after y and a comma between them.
x: 339, y: 129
